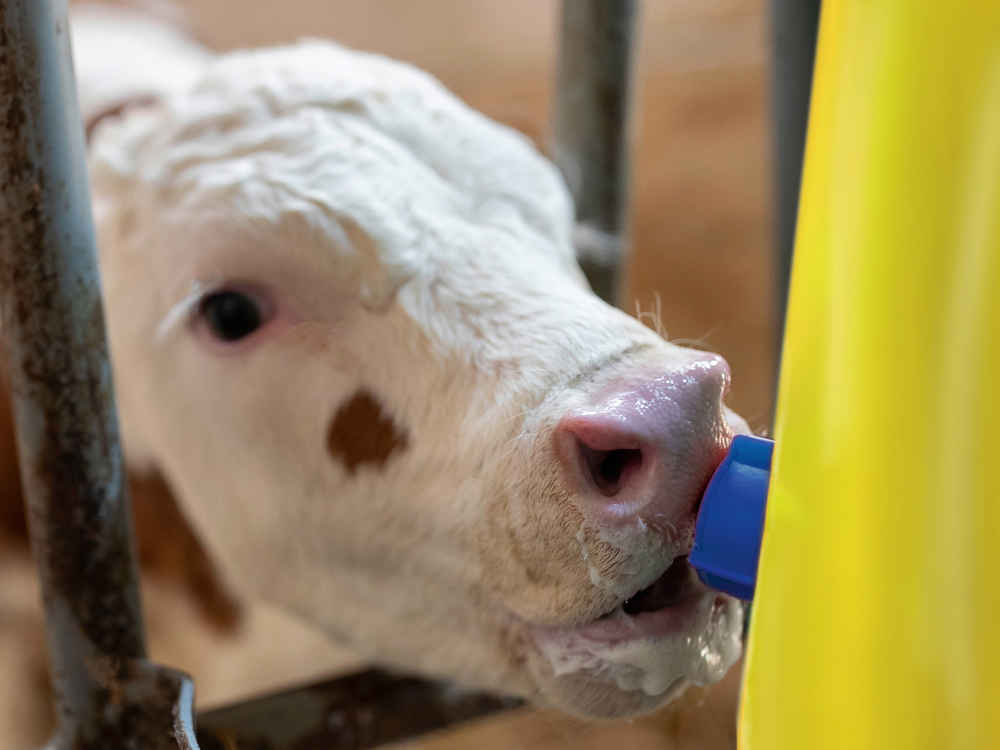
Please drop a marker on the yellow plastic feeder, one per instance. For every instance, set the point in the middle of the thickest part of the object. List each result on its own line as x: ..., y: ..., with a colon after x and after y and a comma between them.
x: 878, y: 586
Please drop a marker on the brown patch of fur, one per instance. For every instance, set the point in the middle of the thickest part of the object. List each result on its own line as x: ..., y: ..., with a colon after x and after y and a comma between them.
x: 12, y: 521
x: 168, y: 548
x: 362, y: 433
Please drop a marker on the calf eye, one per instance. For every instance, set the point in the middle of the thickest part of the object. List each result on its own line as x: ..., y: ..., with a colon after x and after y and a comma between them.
x: 231, y: 315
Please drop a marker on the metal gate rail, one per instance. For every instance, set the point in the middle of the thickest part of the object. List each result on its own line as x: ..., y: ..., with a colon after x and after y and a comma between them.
x: 591, y: 132
x: 794, y: 24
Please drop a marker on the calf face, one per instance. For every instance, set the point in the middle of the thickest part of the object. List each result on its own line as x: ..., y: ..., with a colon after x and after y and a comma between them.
x: 349, y: 328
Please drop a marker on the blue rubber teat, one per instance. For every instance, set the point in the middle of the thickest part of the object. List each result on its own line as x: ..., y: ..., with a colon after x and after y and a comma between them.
x: 731, y: 520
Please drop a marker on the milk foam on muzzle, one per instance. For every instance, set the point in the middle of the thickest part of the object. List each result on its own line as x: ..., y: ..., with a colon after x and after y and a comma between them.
x: 725, y: 555
x: 636, y: 666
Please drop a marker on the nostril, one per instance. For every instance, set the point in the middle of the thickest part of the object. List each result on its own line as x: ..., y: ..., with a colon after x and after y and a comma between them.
x: 645, y: 444
x: 610, y: 470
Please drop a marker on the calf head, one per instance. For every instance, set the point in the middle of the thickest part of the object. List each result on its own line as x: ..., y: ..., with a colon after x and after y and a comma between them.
x: 349, y: 328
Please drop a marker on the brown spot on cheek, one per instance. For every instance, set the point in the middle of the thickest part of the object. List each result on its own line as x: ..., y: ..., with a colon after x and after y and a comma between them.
x: 362, y: 433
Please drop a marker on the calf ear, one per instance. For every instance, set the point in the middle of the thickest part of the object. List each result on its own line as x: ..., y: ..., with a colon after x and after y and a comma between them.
x: 123, y: 57
x: 114, y: 109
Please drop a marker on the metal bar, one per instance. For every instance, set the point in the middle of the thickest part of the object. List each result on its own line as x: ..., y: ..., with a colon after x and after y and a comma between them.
x: 794, y: 24
x: 107, y: 694
x: 591, y: 130
x: 362, y: 710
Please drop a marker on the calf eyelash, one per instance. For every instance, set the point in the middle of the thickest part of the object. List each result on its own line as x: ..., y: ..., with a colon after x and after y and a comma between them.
x: 182, y: 310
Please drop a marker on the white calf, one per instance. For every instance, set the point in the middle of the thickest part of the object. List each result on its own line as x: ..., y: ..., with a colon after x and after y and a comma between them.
x: 349, y: 329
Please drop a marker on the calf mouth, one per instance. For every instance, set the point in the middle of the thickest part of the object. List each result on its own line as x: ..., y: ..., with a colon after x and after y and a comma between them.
x: 666, y: 606
x: 674, y: 586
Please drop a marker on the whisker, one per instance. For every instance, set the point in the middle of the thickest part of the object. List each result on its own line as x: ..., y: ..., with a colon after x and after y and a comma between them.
x: 653, y: 318
x: 697, y: 343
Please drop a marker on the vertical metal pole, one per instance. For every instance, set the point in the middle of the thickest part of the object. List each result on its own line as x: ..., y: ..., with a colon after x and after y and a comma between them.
x: 794, y: 24
x: 590, y: 138
x: 67, y: 435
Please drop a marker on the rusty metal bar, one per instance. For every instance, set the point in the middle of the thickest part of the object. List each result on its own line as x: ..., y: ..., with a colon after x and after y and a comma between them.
x: 591, y: 130
x: 107, y: 694
x: 362, y: 710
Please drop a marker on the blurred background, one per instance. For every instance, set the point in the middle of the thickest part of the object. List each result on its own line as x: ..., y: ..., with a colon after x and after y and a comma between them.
x: 701, y: 260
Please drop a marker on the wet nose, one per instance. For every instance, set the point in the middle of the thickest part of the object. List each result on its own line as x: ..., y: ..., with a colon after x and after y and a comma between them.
x: 646, y: 445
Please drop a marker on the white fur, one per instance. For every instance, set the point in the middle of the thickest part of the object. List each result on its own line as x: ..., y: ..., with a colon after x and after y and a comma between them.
x: 419, y: 251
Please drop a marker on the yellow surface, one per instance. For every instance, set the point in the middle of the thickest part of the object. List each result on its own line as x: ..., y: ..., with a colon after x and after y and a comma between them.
x: 877, y: 617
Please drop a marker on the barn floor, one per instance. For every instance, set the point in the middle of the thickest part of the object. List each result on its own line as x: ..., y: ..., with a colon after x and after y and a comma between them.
x: 701, y: 226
